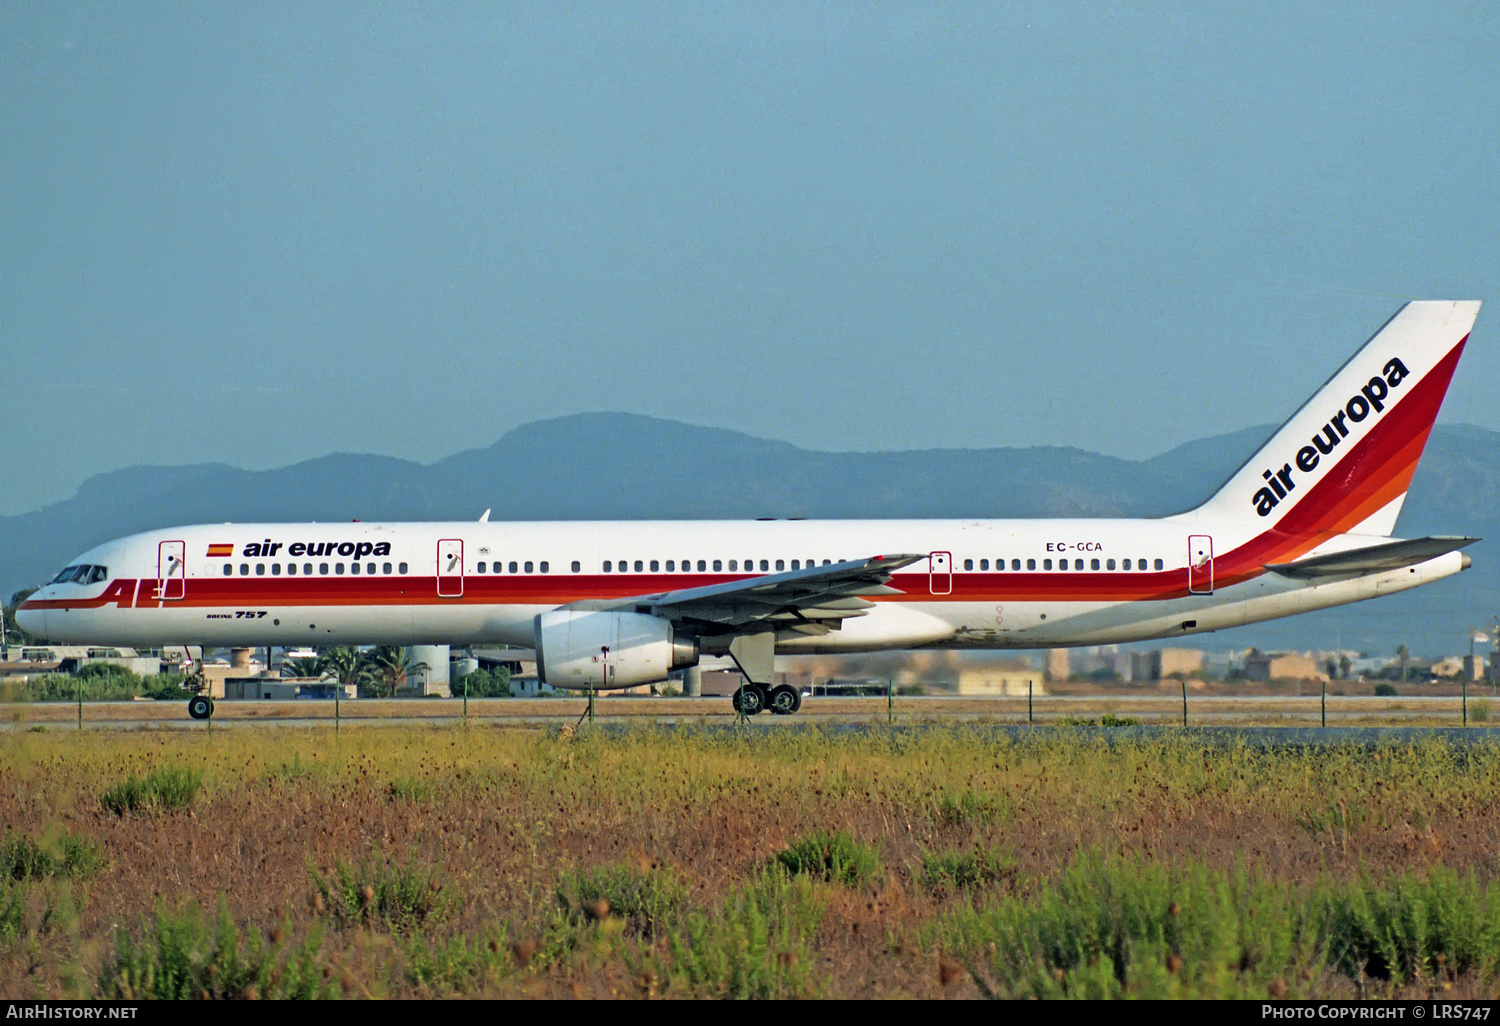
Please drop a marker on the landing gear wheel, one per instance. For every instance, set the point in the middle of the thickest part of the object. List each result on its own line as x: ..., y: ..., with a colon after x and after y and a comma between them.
x: 200, y: 707
x: 785, y: 700
x: 755, y: 699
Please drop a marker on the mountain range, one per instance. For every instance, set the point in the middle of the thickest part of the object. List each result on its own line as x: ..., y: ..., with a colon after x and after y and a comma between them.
x: 605, y: 466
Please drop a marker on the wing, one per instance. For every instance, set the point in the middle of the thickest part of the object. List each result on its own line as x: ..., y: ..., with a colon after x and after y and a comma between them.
x: 1372, y: 559
x: 812, y: 601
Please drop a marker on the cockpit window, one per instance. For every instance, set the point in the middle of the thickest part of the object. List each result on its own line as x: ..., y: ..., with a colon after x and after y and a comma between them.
x: 85, y: 573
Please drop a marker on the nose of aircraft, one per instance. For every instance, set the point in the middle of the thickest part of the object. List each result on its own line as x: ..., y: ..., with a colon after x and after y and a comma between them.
x: 31, y: 620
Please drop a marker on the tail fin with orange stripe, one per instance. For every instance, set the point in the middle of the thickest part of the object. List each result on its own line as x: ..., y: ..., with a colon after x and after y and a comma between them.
x: 1343, y: 462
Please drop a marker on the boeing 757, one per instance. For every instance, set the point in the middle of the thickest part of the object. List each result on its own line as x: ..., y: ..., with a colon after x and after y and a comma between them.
x: 1305, y: 524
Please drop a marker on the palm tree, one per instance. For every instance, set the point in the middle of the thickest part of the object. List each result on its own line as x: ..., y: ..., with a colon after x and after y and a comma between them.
x: 1403, y: 654
x: 389, y: 667
x: 305, y: 666
x: 341, y: 663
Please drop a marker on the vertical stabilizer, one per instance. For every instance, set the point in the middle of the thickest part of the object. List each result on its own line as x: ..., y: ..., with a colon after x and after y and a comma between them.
x: 1343, y: 462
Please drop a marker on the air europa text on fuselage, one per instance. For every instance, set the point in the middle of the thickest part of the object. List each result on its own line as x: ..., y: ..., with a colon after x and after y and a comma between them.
x: 358, y: 550
x: 1370, y: 399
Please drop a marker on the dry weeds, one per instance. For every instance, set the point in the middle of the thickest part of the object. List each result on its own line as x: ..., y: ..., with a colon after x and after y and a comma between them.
x: 498, y: 827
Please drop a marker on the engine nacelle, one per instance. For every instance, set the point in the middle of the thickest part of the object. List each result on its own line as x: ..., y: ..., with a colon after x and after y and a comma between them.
x: 603, y: 650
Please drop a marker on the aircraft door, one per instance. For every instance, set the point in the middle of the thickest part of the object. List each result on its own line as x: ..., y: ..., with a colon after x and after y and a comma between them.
x: 171, y: 571
x: 450, y: 570
x: 940, y: 573
x: 1200, y: 564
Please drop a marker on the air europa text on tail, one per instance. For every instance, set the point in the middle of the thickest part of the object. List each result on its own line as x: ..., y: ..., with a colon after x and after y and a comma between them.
x: 1367, y: 401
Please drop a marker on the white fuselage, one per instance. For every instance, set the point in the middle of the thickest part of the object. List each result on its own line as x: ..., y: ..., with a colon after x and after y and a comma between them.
x: 986, y: 584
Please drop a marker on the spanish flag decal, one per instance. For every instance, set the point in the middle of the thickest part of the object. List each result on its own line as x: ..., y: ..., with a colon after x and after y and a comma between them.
x: 221, y: 550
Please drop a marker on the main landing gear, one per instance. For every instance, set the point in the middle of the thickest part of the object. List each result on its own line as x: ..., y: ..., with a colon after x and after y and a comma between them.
x: 783, y: 700
x: 200, y: 706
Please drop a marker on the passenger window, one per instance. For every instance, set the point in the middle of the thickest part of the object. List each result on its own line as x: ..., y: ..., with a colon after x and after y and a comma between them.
x: 512, y: 566
x: 338, y: 568
x: 780, y: 565
x: 275, y: 569
x: 655, y: 566
x: 228, y: 569
x: 1109, y: 564
x: 1015, y: 564
x: 322, y: 568
x: 984, y: 564
x: 1125, y: 564
x: 671, y: 566
x: 764, y: 565
x: 703, y: 566
x: 968, y: 564
x: 481, y: 568
x: 1077, y: 564
x: 385, y: 568
x: 1094, y: 564
x: 244, y: 569
x: 369, y: 568
x: 1160, y: 565
x: 1031, y: 564
x: 528, y: 566
x: 354, y: 568
x: 577, y: 566
x: 543, y: 567
x: 796, y: 564
x: 1046, y: 564
x: 401, y: 568
x: 260, y: 569
x: 606, y: 566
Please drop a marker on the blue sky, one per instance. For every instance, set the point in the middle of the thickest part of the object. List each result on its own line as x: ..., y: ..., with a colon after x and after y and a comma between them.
x: 260, y: 233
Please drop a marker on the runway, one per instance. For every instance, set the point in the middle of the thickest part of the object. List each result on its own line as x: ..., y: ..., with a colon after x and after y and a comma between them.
x: 1152, y: 711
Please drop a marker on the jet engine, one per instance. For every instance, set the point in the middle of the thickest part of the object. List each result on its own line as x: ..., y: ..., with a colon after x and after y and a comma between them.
x: 602, y: 650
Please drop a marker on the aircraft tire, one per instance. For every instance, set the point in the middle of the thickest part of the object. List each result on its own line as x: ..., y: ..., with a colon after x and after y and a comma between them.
x: 785, y: 700
x: 755, y: 699
x: 200, y: 707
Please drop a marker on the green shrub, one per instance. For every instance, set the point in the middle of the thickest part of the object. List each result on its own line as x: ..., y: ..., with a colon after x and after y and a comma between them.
x: 183, y: 955
x: 1383, y: 690
x: 1412, y: 927
x: 168, y: 787
x: 835, y: 857
x: 1111, y: 720
x: 647, y: 900
x: 970, y: 808
x: 1481, y: 710
x: 12, y: 910
x: 402, y: 896
x: 758, y: 944
x: 409, y: 790
x: 482, y: 684
x: 23, y: 859
x: 959, y: 870
x: 1131, y: 928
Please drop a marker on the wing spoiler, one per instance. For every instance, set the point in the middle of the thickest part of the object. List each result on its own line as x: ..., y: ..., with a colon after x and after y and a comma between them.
x: 1372, y: 559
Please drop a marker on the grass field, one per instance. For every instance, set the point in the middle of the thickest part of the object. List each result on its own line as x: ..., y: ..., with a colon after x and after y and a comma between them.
x: 414, y: 861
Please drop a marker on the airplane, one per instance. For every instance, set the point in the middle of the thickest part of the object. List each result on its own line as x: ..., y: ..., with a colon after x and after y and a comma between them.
x: 1306, y: 523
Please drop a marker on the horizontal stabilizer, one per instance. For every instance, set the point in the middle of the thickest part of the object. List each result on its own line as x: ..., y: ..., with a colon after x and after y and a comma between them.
x: 1372, y: 559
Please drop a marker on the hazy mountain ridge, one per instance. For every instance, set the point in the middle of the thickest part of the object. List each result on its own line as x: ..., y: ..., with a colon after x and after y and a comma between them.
x: 625, y: 466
